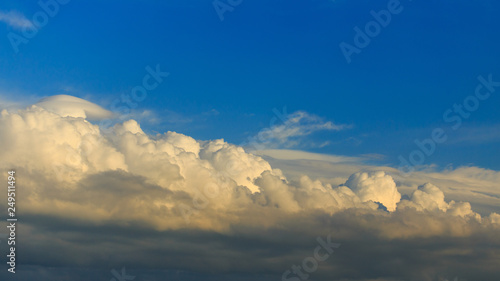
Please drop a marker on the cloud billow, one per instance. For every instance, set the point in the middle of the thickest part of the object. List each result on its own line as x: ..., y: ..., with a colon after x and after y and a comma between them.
x: 211, y: 207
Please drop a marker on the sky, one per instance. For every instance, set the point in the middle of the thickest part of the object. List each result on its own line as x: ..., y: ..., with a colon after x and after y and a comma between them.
x: 226, y: 77
x: 308, y: 117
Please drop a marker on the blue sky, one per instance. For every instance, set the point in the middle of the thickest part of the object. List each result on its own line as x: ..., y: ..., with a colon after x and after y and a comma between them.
x: 226, y: 77
x: 327, y: 98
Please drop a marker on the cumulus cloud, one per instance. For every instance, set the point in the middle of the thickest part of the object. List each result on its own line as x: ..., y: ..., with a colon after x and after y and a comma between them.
x: 430, y: 198
x: 376, y: 187
x: 15, y: 20
x: 495, y: 218
x: 209, y: 206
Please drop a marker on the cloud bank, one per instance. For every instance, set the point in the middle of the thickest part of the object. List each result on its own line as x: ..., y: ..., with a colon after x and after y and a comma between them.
x: 210, y: 207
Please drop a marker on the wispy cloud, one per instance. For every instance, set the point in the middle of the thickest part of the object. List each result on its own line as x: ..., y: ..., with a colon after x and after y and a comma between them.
x: 294, y: 129
x: 15, y: 19
x: 477, y: 135
x: 286, y: 154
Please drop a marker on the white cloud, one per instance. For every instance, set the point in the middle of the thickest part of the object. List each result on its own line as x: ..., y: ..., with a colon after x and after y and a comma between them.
x: 429, y: 197
x: 287, y: 154
x: 376, y: 187
x: 291, y: 132
x: 65, y: 105
x: 15, y: 20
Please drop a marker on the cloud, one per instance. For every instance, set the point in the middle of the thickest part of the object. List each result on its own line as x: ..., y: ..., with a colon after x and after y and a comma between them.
x: 15, y: 20
x: 376, y: 187
x: 475, y: 135
x: 429, y: 197
x: 287, y: 154
x: 291, y: 132
x: 210, y: 207
x: 478, y: 186
x: 65, y: 105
